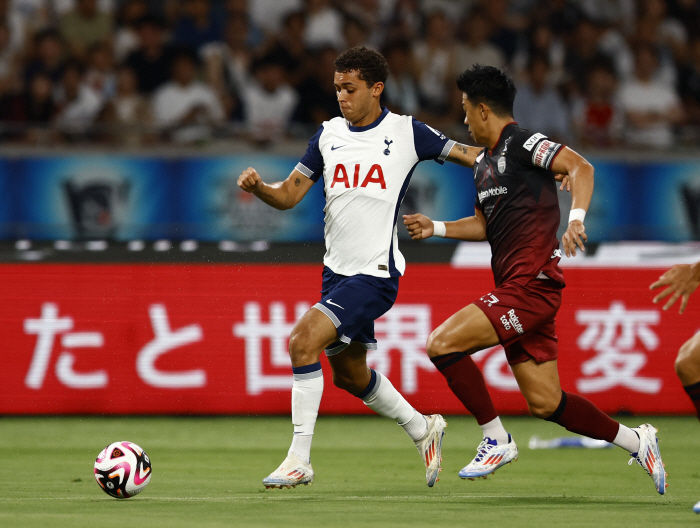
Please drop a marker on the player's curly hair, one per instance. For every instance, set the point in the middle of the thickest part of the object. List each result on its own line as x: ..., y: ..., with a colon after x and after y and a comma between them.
x: 370, y: 66
x: 487, y: 84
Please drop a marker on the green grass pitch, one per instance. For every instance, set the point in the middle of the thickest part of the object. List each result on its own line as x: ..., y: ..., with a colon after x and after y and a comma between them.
x: 207, y: 472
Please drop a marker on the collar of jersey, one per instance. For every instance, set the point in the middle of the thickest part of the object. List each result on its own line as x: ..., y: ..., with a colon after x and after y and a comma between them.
x: 500, y: 137
x: 385, y: 112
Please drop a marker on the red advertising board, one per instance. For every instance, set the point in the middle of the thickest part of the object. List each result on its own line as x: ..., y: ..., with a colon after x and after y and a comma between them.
x: 210, y: 339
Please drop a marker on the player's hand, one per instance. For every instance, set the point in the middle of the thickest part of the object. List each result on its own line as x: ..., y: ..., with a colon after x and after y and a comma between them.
x: 575, y: 236
x: 565, y: 182
x: 419, y: 226
x: 249, y: 180
x: 681, y: 281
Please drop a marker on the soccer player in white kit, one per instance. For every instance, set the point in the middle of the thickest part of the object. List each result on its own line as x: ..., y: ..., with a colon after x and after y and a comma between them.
x: 366, y: 159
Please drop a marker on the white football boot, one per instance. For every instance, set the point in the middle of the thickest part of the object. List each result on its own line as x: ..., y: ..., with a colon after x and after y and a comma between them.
x: 649, y: 456
x: 489, y: 457
x: 430, y: 447
x: 696, y: 508
x: 292, y: 472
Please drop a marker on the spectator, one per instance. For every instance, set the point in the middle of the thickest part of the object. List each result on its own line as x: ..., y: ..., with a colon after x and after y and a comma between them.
x: 227, y: 64
x: 268, y: 102
x: 324, y: 25
x: 502, y: 35
x: 406, y: 21
x: 128, y: 113
x: 597, y: 116
x: 583, y: 53
x: 240, y: 8
x: 647, y: 35
x: 269, y: 14
x: 78, y: 104
x: 689, y: 84
x: 474, y: 47
x: 185, y: 108
x: 126, y: 38
x: 289, y: 49
x: 651, y: 108
x: 688, y: 13
x: 538, y: 106
x: 369, y: 16
x: 401, y: 88
x: 84, y: 26
x: 100, y: 75
x: 9, y: 80
x: 30, y: 112
x: 198, y: 27
x: 541, y: 40
x: 435, y: 58
x: 152, y: 62
x: 318, y: 100
x: 355, y: 32
x: 667, y: 31
x: 49, y: 56
x: 28, y: 17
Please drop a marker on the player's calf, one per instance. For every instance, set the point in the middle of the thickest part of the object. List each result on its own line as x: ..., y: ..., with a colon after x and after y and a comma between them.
x: 688, y: 361
x: 688, y: 369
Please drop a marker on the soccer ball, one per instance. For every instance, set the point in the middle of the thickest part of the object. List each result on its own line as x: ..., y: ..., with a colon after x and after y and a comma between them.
x: 122, y: 469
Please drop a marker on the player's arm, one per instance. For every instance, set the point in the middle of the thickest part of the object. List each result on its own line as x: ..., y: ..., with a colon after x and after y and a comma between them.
x: 281, y: 195
x: 682, y: 280
x: 471, y: 228
x: 580, y: 182
x: 463, y: 154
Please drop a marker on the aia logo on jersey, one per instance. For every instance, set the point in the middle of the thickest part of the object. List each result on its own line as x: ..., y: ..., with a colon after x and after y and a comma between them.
x: 374, y: 175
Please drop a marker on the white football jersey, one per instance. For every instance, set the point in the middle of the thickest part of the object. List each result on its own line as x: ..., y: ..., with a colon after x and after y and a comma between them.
x: 366, y: 172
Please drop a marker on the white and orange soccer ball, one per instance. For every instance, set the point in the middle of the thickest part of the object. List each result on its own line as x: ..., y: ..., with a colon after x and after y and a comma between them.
x: 123, y: 469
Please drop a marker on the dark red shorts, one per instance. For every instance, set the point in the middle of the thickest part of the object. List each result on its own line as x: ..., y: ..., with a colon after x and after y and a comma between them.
x: 523, y: 317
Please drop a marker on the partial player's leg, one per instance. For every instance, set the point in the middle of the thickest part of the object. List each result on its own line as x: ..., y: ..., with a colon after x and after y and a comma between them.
x: 351, y: 373
x: 312, y: 333
x: 688, y: 369
x: 449, y: 348
x: 539, y: 383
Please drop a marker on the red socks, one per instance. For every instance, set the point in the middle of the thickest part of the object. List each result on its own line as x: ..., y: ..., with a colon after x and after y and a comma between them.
x: 576, y: 414
x: 693, y: 392
x: 467, y: 383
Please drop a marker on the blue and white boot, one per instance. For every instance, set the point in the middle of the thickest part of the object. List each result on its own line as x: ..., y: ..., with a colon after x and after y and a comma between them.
x: 489, y: 457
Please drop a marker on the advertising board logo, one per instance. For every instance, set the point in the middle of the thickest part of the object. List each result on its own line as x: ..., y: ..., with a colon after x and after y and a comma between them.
x: 97, y: 204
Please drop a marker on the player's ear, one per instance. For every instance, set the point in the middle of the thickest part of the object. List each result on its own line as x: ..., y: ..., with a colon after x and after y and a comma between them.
x: 378, y: 88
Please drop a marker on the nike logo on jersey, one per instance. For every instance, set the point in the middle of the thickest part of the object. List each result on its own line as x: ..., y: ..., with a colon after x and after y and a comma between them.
x: 336, y: 148
x: 334, y: 304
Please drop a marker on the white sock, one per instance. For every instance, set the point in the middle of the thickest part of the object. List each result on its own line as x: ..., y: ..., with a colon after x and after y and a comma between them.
x: 416, y: 427
x: 495, y: 431
x: 386, y: 401
x: 627, y: 439
x: 306, y: 399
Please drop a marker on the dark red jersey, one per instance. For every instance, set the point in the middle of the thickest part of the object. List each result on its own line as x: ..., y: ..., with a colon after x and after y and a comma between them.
x: 517, y: 194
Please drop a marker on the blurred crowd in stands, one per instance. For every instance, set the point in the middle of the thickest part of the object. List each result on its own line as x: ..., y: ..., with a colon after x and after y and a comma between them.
x: 591, y: 73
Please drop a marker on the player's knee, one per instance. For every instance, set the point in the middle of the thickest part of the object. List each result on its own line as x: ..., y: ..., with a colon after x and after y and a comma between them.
x: 437, y: 344
x: 687, y: 363
x: 347, y: 382
x: 541, y: 407
x: 300, y: 346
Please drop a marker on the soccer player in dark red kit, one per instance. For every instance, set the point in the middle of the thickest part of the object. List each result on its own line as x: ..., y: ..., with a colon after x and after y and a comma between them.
x: 680, y: 282
x: 517, y: 211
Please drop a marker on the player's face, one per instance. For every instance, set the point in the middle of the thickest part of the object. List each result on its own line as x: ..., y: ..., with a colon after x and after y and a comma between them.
x: 473, y: 119
x: 355, y: 98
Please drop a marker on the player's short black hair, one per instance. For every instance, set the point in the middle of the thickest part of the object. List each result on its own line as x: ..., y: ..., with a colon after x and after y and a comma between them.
x: 487, y: 84
x: 370, y: 66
